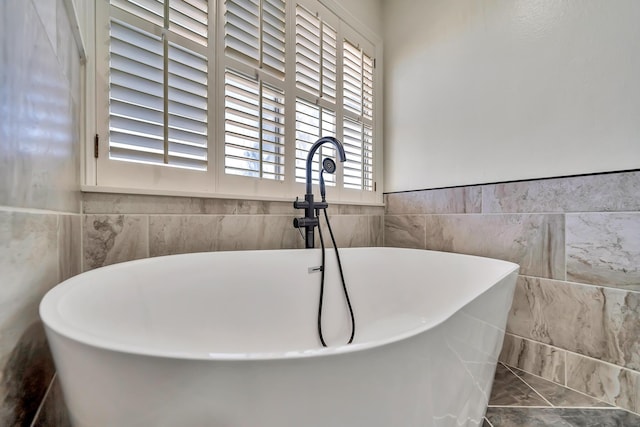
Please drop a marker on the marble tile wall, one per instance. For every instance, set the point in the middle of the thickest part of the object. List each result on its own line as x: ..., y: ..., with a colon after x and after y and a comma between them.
x: 39, y: 193
x: 120, y: 227
x: 575, y: 318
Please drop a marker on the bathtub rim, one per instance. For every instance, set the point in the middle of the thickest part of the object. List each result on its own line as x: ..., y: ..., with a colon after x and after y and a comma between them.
x: 55, y: 322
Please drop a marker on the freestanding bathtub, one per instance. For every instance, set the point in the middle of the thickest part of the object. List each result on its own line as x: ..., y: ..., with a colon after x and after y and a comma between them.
x: 229, y: 339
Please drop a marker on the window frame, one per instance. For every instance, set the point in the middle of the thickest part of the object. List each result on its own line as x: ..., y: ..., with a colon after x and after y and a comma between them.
x: 139, y: 178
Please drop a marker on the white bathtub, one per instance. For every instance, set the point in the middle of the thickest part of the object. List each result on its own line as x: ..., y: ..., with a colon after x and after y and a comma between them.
x: 229, y: 339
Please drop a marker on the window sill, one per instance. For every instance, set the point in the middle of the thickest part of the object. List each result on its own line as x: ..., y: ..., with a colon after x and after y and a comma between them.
x: 148, y: 192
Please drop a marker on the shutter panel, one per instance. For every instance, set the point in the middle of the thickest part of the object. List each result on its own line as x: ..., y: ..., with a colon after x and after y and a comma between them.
x: 329, y: 62
x: 158, y: 107
x: 189, y: 18
x: 316, y: 55
x: 367, y: 157
x: 255, y: 33
x: 272, y: 132
x: 136, y: 120
x: 352, y: 142
x: 316, y: 81
x: 312, y: 122
x: 358, y: 121
x: 358, y: 145
x: 273, y: 36
x: 254, y: 127
x: 242, y: 29
x: 367, y: 86
x: 352, y: 76
x: 307, y: 51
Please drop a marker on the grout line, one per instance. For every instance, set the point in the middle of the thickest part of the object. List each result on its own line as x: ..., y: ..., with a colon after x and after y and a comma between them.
x: 564, y: 244
x: 81, y: 244
x: 44, y: 399
x: 599, y: 408
x: 566, y: 368
x: 523, y: 407
x: 424, y: 223
x: 488, y: 422
x: 529, y: 385
x: 59, y: 243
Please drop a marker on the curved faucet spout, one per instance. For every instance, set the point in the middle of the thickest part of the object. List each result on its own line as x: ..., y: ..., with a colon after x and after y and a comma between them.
x: 324, y: 140
x: 310, y: 221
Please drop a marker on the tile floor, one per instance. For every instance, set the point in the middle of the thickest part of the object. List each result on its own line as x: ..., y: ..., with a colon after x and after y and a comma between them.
x: 519, y: 399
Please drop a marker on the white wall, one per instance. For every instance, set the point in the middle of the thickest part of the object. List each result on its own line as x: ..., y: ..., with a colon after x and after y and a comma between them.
x: 368, y: 12
x: 481, y: 91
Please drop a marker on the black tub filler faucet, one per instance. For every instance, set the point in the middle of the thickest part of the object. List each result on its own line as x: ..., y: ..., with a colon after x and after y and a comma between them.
x: 310, y: 220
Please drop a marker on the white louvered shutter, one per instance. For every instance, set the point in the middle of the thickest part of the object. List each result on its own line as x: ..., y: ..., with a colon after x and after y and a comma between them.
x: 358, y: 127
x: 316, y: 55
x: 316, y: 58
x: 254, y: 100
x: 158, y: 96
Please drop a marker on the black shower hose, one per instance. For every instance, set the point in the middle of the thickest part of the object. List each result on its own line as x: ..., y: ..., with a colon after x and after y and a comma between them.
x: 344, y: 285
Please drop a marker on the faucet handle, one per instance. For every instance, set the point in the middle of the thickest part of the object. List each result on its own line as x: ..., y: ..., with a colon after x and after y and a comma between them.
x: 297, y: 204
x: 305, y: 222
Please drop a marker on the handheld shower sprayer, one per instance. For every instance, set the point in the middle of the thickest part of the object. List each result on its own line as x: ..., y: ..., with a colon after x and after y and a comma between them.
x: 329, y: 166
x: 311, y: 220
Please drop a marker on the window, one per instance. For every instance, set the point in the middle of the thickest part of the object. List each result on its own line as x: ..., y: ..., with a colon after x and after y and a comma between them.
x: 232, y: 107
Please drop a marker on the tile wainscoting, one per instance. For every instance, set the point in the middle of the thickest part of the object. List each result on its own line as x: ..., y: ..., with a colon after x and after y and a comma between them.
x: 119, y: 227
x: 575, y: 318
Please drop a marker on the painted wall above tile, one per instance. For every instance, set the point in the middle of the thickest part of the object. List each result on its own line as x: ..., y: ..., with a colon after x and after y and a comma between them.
x: 484, y: 91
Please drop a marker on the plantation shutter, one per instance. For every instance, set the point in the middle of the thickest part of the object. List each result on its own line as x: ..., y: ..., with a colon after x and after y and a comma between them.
x: 254, y: 104
x: 358, y: 121
x: 158, y: 100
x: 316, y: 58
x: 311, y: 121
x: 255, y: 33
x: 316, y: 55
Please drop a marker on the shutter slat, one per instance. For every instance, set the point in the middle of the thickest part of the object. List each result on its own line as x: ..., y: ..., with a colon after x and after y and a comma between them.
x: 187, y: 151
x: 135, y: 154
x: 124, y: 94
x: 128, y: 139
x: 126, y: 109
x: 149, y: 10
